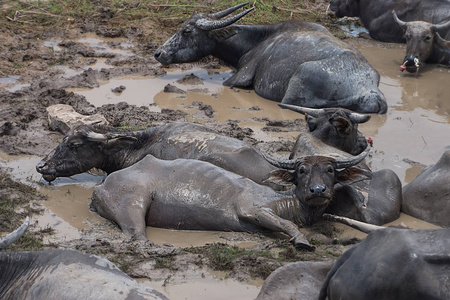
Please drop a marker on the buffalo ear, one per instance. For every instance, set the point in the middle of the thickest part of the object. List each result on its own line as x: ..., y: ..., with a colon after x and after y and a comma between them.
x: 119, y: 143
x: 342, y: 125
x: 352, y: 175
x: 224, y: 33
x: 281, y: 175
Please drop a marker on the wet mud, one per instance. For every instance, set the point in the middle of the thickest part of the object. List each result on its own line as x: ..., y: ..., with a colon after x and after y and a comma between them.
x: 132, y: 90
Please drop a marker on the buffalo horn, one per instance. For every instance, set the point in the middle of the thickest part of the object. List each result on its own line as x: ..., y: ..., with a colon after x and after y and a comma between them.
x: 96, y: 137
x: 314, y: 112
x: 358, y: 118
x: 288, y: 164
x: 441, y: 26
x: 399, y: 22
x: 206, y: 24
x: 364, y: 227
x: 226, y: 12
x: 345, y: 163
x: 15, y: 235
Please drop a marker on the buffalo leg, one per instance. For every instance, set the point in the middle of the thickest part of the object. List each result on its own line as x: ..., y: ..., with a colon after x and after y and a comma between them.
x: 266, y: 218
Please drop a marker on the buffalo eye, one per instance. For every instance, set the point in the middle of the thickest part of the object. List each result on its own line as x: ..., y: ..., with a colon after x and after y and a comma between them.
x: 428, y: 38
x: 330, y: 169
x: 74, y: 144
x: 187, y: 31
x: 302, y: 170
x: 407, y: 37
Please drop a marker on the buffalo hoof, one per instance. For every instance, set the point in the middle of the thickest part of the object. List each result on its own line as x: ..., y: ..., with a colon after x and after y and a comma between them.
x: 301, y: 243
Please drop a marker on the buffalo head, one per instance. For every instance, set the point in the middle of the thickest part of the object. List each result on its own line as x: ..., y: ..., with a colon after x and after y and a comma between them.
x: 420, y: 37
x: 197, y: 36
x: 337, y: 127
x: 83, y: 148
x: 314, y: 176
x: 343, y: 8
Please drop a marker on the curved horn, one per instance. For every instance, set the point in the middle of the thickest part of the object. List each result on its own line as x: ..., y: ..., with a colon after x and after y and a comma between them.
x: 441, y: 26
x: 15, y: 235
x: 95, y: 137
x: 226, y: 12
x: 206, y: 24
x: 359, y: 118
x: 345, y: 163
x: 399, y: 22
x: 364, y: 227
x: 288, y: 164
x: 314, y: 112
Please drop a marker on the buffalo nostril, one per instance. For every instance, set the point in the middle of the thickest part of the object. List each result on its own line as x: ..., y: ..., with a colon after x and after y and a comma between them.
x: 317, y: 189
x: 157, y: 53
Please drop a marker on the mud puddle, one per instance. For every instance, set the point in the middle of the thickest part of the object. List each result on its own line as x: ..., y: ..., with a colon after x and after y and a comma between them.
x: 209, y: 285
x: 416, y: 130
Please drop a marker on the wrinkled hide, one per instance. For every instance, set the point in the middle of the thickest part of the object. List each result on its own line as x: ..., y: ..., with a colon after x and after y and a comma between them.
x: 85, y: 147
x: 295, y: 281
x: 375, y: 198
x: 322, y: 71
x: 393, y: 264
x: 415, y: 22
x: 196, y: 195
x: 66, y: 274
x: 428, y: 196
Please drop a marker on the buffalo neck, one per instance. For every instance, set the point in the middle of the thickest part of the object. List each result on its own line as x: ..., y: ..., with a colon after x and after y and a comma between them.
x: 126, y: 152
x: 291, y: 208
x: 246, y: 38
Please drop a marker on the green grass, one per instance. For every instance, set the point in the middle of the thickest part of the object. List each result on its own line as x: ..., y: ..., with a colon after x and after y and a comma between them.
x: 15, y: 197
x: 168, y: 14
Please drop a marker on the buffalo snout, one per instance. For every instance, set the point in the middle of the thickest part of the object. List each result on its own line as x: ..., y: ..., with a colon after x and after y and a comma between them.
x: 318, y: 189
x: 410, y: 63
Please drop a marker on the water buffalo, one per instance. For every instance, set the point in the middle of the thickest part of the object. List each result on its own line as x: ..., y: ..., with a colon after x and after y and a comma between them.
x: 197, y: 195
x: 94, y: 146
x: 295, y: 62
x: 416, y: 22
x: 336, y: 127
x: 428, y: 196
x: 376, y: 198
x: 64, y: 274
x: 300, y: 280
x: 395, y: 264
x: 389, y: 264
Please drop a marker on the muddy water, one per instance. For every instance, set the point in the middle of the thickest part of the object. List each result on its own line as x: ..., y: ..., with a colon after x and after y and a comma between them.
x: 413, y: 134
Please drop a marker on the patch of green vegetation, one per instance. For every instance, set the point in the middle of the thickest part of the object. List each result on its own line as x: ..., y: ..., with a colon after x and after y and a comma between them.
x: 165, y: 262
x: 169, y: 14
x: 222, y: 257
x: 14, y: 197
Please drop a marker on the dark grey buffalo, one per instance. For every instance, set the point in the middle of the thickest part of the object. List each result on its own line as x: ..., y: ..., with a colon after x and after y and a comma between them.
x: 196, y: 195
x: 374, y: 198
x: 336, y: 127
x: 395, y: 264
x: 88, y: 146
x: 423, y: 25
x: 390, y: 263
x: 295, y: 62
x: 64, y: 274
x: 295, y: 281
x: 94, y: 146
x: 428, y: 196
